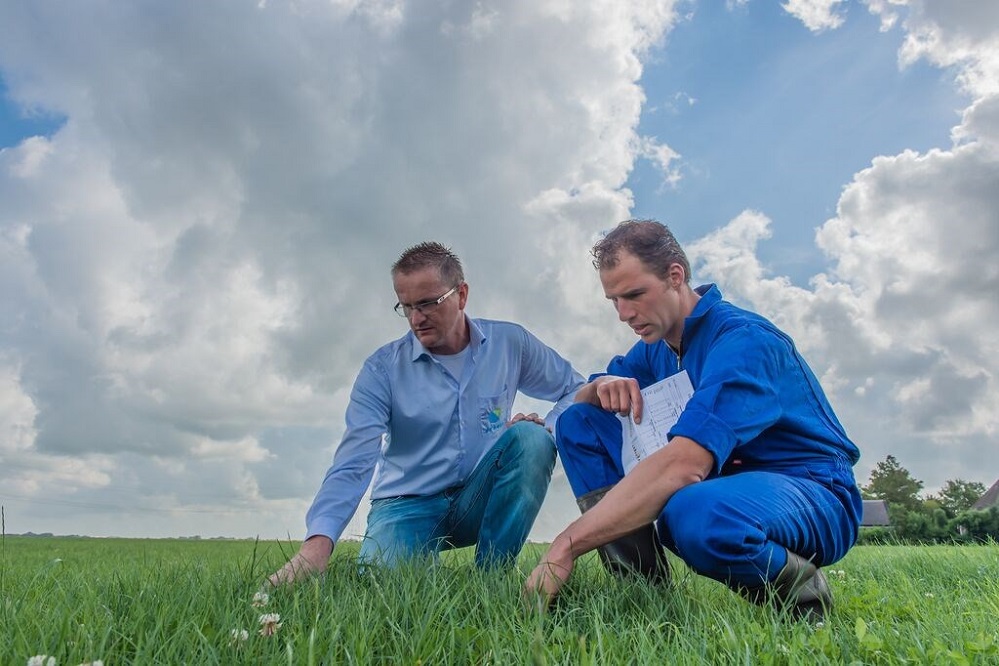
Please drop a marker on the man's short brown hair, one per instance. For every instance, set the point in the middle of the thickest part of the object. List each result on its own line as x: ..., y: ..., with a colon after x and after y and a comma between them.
x: 431, y: 254
x: 649, y: 240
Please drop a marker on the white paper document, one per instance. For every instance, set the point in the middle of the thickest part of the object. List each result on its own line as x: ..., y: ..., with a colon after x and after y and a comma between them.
x: 662, y: 404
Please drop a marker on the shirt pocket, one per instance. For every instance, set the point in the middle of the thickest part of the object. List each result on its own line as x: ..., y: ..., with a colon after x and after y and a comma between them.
x: 494, y: 412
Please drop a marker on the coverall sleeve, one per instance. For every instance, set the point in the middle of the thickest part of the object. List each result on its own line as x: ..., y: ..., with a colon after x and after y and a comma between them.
x: 736, y: 398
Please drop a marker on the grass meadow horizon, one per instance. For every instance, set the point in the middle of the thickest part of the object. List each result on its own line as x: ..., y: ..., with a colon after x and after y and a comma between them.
x: 169, y: 601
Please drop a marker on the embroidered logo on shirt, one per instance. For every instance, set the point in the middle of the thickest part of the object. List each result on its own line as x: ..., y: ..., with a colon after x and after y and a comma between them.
x: 492, y: 419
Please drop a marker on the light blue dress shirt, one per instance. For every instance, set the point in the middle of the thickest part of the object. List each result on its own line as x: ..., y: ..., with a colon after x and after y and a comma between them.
x: 436, y: 428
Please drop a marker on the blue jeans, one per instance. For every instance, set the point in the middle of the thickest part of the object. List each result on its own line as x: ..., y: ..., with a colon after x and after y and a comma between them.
x: 494, y: 510
x: 735, y: 528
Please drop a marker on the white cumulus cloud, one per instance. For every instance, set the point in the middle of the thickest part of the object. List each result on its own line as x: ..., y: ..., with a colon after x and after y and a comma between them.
x: 901, y: 326
x: 197, y: 260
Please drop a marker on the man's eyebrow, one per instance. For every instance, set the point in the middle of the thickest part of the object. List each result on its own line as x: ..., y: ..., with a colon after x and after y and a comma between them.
x: 631, y: 293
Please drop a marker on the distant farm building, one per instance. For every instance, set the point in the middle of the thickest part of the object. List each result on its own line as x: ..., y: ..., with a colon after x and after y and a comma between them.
x: 989, y: 499
x: 875, y: 514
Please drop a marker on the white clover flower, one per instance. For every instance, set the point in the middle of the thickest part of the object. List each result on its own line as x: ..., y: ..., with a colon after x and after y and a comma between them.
x: 269, y: 624
x: 237, y: 636
x: 41, y: 660
x: 95, y: 662
x: 260, y: 599
x: 929, y: 595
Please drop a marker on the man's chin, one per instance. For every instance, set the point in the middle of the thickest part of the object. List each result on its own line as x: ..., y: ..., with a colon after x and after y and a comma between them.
x: 426, y: 338
x: 649, y: 336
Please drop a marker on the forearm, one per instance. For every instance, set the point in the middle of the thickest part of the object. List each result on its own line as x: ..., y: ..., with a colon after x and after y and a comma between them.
x: 335, y: 504
x: 638, y: 499
x: 343, y: 486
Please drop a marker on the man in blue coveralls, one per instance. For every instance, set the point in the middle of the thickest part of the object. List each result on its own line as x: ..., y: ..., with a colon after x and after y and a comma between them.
x: 454, y: 469
x: 754, y: 486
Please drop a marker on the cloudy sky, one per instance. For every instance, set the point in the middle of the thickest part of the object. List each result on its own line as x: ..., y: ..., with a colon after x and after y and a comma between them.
x: 199, y: 203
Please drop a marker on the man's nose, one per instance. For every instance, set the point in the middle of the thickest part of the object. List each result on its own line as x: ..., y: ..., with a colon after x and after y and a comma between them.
x: 624, y: 313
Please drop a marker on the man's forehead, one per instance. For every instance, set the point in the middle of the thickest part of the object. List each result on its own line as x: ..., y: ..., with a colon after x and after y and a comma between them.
x: 627, y: 275
x: 421, y: 279
x: 626, y: 265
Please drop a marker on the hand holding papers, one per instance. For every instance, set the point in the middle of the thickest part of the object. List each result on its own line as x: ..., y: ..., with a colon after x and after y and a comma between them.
x: 663, y: 403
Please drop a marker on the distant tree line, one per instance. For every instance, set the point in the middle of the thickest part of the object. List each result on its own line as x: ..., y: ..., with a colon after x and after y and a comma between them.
x: 943, y: 518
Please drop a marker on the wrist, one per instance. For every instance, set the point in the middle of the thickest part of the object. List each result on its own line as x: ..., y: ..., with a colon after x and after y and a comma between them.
x: 561, y: 548
x: 318, y: 548
x: 588, y: 392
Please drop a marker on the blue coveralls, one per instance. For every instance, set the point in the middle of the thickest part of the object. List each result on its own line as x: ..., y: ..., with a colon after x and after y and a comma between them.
x: 782, y: 475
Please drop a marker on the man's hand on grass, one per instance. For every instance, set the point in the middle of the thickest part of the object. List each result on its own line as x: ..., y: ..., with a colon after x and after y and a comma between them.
x: 548, y: 577
x: 311, y: 559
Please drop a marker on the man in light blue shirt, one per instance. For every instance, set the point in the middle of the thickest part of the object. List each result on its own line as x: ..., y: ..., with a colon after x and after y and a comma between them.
x: 431, y: 413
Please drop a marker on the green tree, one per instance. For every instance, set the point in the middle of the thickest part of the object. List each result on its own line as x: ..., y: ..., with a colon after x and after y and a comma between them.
x: 981, y: 526
x: 892, y: 482
x: 957, y: 495
x: 923, y: 526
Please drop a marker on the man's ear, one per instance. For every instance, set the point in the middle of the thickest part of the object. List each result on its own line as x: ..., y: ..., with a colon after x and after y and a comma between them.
x: 462, y: 295
x: 677, y: 276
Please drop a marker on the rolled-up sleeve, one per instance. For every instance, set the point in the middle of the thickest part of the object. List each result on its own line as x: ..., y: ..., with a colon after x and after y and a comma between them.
x: 737, y: 397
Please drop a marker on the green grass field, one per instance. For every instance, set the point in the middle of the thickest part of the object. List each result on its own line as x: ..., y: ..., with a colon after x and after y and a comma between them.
x: 180, y: 602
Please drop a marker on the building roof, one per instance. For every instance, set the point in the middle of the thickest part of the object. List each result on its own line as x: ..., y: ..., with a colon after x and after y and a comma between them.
x: 990, y: 498
x: 875, y: 514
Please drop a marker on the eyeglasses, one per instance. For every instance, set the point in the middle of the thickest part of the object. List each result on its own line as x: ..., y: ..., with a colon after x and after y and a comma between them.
x: 426, y: 307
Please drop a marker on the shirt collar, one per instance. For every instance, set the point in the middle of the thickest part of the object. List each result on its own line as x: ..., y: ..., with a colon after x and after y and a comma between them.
x: 710, y: 295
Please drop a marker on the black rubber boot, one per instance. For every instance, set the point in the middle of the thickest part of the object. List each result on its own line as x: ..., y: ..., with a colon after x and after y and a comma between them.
x: 636, y: 553
x: 800, y: 587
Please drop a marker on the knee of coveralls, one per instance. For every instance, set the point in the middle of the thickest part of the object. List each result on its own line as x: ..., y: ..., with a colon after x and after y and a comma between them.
x: 698, y: 526
x: 588, y: 439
